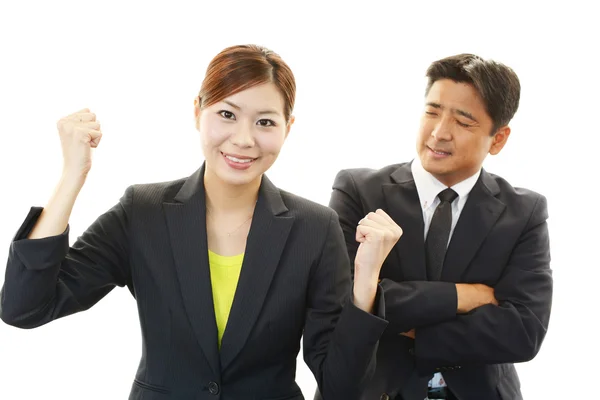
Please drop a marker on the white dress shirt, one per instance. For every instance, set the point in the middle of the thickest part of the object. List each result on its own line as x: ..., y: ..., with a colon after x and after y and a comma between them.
x: 428, y: 187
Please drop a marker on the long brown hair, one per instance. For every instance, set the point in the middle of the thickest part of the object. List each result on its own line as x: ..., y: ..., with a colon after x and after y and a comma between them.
x: 240, y: 67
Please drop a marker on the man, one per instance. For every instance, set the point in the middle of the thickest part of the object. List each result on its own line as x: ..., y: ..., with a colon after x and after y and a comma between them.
x: 468, y: 288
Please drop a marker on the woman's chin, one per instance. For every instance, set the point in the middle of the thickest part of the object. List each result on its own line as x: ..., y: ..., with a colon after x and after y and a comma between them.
x: 235, y: 177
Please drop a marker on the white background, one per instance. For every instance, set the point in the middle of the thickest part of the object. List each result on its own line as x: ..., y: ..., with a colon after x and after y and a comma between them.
x: 360, y: 75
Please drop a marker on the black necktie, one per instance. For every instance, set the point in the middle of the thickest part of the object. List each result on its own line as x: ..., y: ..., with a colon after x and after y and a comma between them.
x: 438, y: 235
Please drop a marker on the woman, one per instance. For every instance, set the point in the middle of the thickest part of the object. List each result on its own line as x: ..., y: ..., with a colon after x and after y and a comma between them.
x: 227, y: 270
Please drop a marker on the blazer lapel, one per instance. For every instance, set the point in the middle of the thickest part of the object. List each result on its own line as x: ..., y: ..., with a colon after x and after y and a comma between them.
x: 266, y: 240
x: 478, y: 216
x: 404, y: 207
x: 186, y: 220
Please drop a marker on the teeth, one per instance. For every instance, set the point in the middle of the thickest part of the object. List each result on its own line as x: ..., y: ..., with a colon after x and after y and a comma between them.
x: 239, y: 160
x: 441, y: 153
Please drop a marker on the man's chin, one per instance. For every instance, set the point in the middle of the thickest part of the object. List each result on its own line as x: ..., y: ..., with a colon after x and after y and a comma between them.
x: 436, y: 167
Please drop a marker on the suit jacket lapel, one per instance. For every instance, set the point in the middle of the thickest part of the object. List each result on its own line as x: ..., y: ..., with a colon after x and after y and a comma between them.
x: 480, y: 213
x: 186, y: 220
x: 404, y: 207
x: 268, y: 234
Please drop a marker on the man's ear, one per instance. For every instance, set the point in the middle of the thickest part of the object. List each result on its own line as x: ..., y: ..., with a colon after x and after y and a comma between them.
x: 499, y: 140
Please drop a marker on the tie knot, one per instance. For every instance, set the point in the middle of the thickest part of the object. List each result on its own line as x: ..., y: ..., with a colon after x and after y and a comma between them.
x: 448, y: 195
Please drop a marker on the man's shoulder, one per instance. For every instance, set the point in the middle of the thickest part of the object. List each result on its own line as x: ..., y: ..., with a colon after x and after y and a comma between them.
x: 508, y: 190
x: 370, y: 175
x: 516, y: 197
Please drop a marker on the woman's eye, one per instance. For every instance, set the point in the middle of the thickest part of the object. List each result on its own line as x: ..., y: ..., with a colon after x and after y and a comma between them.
x: 266, y: 122
x: 226, y: 114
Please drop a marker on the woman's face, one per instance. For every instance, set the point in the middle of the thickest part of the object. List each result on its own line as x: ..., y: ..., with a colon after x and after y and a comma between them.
x: 242, y: 135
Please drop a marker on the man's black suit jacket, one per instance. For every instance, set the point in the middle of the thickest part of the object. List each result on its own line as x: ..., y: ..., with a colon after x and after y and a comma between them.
x: 501, y: 240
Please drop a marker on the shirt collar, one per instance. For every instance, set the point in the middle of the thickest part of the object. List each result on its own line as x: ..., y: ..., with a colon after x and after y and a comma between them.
x: 428, y: 186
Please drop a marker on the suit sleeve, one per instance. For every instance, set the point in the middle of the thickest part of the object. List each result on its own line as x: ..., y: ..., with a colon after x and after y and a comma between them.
x: 46, y: 279
x: 340, y: 340
x: 514, y: 330
x: 410, y: 304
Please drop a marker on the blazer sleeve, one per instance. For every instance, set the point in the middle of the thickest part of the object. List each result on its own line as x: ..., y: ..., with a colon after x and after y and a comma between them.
x: 340, y: 340
x: 46, y: 279
x: 514, y: 330
x: 409, y: 304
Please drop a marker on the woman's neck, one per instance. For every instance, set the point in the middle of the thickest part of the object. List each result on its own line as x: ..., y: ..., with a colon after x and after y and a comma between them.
x: 222, y: 197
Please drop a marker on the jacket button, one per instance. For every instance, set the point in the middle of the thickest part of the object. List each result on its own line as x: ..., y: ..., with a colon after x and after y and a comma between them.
x: 213, y: 388
x: 411, y: 351
x: 384, y: 397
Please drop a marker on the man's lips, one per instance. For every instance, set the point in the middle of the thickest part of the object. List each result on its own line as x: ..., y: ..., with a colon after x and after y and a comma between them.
x: 440, y: 152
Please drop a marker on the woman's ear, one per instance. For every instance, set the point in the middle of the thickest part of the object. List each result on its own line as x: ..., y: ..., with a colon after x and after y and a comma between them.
x: 197, y: 111
x: 289, y: 125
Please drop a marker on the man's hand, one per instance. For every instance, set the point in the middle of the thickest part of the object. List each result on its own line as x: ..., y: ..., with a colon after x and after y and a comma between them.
x: 410, y: 334
x: 473, y: 295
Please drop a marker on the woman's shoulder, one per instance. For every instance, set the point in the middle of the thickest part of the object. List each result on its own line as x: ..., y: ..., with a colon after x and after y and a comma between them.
x: 155, y: 192
x: 304, y: 208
